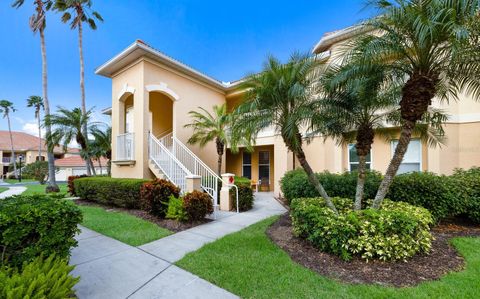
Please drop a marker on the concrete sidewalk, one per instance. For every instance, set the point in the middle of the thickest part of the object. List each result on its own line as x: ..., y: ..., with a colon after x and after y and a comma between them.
x: 112, y: 269
x: 12, y: 191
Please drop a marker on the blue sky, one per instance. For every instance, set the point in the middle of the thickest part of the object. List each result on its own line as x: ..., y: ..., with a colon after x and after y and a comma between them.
x: 224, y: 39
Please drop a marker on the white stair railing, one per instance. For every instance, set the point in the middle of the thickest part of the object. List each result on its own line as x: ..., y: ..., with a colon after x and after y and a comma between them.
x: 168, y: 163
x: 210, y: 181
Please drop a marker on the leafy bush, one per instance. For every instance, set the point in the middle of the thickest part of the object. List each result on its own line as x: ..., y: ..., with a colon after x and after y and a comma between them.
x: 41, y: 278
x: 71, y: 186
x: 397, y: 231
x: 197, y: 205
x: 245, y: 194
x: 468, y: 189
x: 175, y: 210
x: 437, y: 193
x: 35, y: 225
x: 154, y: 196
x: 124, y: 193
x: 37, y: 170
x: 295, y: 184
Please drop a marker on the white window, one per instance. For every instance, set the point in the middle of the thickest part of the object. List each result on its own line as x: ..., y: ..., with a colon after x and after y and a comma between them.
x: 412, y: 161
x: 247, y: 165
x: 353, y: 158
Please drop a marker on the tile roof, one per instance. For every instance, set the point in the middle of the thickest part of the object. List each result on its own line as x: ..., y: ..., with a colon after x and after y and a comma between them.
x: 25, y: 142
x: 77, y: 161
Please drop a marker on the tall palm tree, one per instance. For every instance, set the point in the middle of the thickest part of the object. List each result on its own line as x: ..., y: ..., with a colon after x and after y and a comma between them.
x: 37, y: 103
x: 429, y: 44
x: 5, y: 108
x: 281, y: 97
x: 68, y: 126
x: 356, y: 106
x: 102, y: 145
x: 38, y: 24
x: 78, y: 12
x: 209, y: 127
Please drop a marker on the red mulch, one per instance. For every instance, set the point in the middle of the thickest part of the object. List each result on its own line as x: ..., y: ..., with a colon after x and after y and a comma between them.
x: 172, y: 225
x: 442, y: 259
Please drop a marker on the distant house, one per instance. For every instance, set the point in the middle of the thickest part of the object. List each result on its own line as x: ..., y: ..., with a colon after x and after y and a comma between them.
x: 75, y: 165
x: 26, y: 145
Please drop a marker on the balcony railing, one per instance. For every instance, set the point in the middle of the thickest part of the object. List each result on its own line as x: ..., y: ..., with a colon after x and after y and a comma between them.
x: 125, y: 147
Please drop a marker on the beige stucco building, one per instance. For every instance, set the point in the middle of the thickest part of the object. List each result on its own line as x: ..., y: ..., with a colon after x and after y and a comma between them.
x: 152, y: 94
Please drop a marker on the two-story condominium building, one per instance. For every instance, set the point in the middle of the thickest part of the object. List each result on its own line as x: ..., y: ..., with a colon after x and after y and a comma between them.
x: 152, y: 94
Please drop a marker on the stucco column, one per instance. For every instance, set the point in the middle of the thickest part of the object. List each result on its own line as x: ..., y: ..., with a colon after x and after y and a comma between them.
x: 193, y: 183
x: 225, y: 202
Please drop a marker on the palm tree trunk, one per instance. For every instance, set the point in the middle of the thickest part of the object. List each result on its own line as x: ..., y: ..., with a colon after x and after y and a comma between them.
x: 92, y: 167
x: 402, y: 146
x: 88, y: 162
x: 314, y: 180
x: 52, y: 184
x: 11, y: 147
x: 362, y: 165
x: 99, y: 165
x: 39, y: 138
x: 220, y: 150
x: 109, y: 167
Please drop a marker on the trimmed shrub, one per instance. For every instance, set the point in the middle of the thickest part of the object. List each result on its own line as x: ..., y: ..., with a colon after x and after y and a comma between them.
x: 37, y: 170
x: 124, y: 193
x: 245, y: 194
x: 175, y: 210
x: 41, y: 278
x: 397, y: 231
x: 34, y: 225
x: 155, y: 195
x: 295, y: 184
x: 197, y: 205
x: 468, y: 189
x: 437, y: 193
x: 71, y: 186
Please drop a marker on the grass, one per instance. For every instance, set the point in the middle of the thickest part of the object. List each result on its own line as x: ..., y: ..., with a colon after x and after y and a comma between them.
x: 2, y: 189
x: 40, y: 189
x: 121, y: 226
x: 248, y: 264
x: 15, y: 181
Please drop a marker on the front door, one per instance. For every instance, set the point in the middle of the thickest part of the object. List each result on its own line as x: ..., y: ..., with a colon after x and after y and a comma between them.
x: 264, y: 170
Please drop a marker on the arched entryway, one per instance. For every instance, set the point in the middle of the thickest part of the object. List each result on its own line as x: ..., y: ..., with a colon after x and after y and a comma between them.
x: 160, y: 114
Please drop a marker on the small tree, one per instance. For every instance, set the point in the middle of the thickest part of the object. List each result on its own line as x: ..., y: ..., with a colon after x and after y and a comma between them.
x: 37, y: 170
x: 209, y: 127
x: 5, y: 108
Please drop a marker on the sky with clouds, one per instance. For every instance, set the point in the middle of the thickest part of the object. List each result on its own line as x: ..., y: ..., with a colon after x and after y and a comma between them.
x: 224, y: 39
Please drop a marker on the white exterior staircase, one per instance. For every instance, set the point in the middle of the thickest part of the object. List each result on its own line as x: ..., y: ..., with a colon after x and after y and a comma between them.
x: 169, y: 158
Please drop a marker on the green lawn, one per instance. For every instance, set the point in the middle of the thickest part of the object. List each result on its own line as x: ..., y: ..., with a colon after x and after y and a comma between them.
x: 40, y: 189
x: 121, y: 226
x: 14, y: 181
x: 3, y: 189
x: 248, y: 264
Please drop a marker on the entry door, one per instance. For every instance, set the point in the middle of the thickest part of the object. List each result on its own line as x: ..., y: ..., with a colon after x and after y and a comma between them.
x: 264, y: 167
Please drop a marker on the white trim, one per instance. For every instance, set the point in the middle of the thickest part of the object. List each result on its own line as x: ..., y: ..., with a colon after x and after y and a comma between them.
x: 463, y: 118
x: 162, y: 87
x: 126, y: 89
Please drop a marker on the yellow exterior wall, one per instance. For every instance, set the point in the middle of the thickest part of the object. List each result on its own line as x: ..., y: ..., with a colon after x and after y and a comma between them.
x: 161, y: 109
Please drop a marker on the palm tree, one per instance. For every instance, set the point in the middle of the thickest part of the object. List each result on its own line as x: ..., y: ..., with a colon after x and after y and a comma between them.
x: 5, y: 108
x: 429, y: 45
x: 102, y: 145
x: 356, y: 106
x: 281, y: 97
x: 68, y: 126
x: 82, y: 13
x: 37, y: 103
x: 209, y: 127
x: 38, y: 24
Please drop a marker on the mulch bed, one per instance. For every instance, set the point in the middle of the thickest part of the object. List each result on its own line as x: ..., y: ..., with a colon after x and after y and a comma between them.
x: 172, y: 225
x: 442, y: 259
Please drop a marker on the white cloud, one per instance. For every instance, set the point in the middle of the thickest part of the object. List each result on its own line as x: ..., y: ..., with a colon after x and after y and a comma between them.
x: 32, y: 129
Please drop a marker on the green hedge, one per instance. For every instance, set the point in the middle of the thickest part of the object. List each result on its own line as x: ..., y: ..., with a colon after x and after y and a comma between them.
x: 295, y: 184
x: 397, y: 231
x: 36, y: 225
x: 245, y: 194
x: 42, y: 278
x: 467, y: 184
x: 124, y: 193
